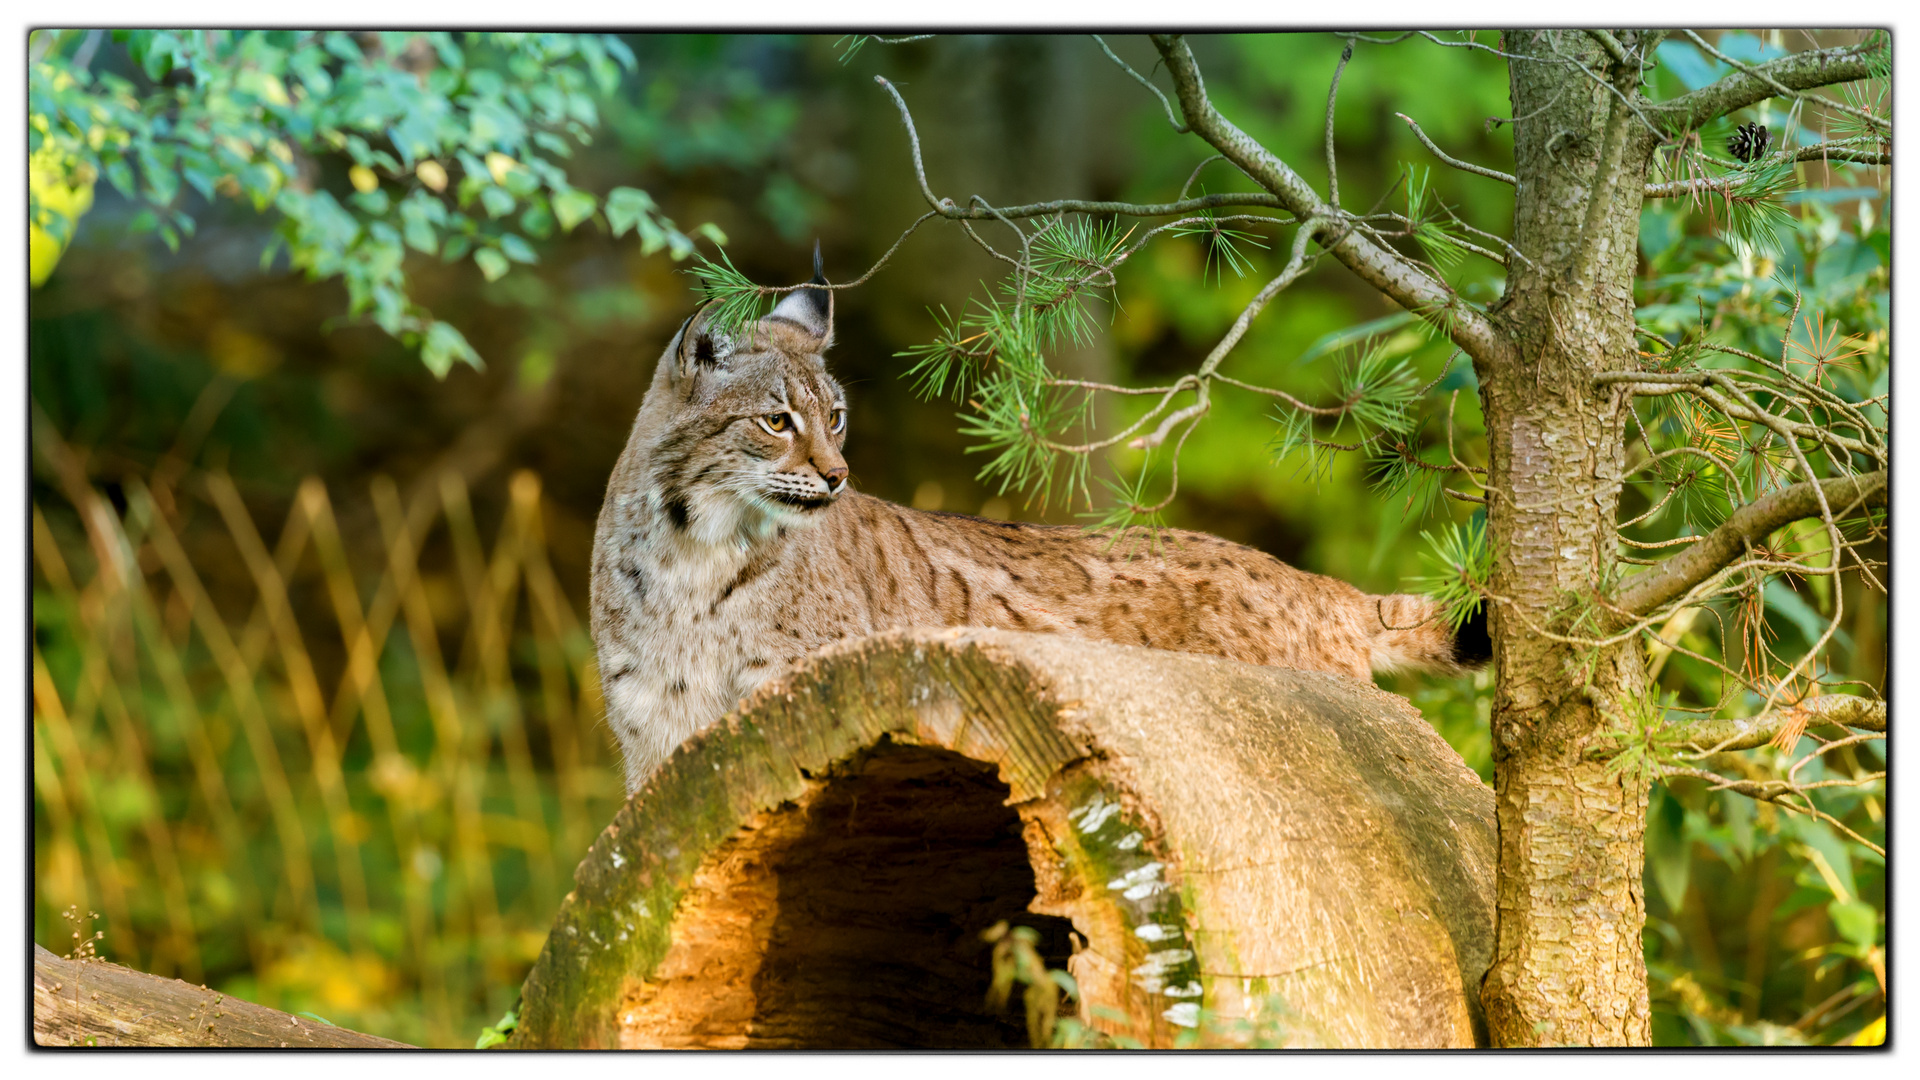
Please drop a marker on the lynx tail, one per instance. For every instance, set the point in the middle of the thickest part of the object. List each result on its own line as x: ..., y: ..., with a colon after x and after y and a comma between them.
x: 1413, y: 634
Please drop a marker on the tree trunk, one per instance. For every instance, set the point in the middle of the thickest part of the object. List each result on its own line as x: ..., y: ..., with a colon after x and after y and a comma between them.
x: 1569, y: 968
x: 1292, y: 848
x: 94, y: 1003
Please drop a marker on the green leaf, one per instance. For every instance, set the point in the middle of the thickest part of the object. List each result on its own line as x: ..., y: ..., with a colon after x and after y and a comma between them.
x: 445, y: 345
x: 626, y: 208
x: 1669, y: 855
x: 517, y: 249
x: 1857, y: 922
x: 521, y: 182
x: 537, y: 221
x: 1334, y: 341
x: 573, y: 207
x: 1819, y: 837
x: 1810, y: 623
x: 496, y: 200
x: 491, y: 263
x: 420, y: 236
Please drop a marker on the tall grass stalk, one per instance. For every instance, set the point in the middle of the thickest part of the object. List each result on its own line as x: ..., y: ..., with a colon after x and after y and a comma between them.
x: 351, y: 781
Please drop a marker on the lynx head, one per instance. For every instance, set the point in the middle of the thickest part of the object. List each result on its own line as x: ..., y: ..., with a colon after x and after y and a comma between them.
x: 747, y: 426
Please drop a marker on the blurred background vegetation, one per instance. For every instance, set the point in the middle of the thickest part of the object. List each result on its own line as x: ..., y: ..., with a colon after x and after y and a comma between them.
x: 315, y: 715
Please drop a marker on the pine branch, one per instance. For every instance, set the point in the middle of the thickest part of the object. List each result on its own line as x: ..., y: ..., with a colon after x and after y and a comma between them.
x: 1612, y: 45
x: 1820, y: 151
x: 1843, y: 710
x: 1374, y: 264
x: 1800, y: 71
x: 1750, y: 524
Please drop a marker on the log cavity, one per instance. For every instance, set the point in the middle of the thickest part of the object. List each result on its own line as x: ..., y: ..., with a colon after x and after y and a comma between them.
x: 852, y: 919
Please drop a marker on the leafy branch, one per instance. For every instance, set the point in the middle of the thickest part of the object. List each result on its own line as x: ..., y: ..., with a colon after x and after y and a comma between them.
x: 453, y: 145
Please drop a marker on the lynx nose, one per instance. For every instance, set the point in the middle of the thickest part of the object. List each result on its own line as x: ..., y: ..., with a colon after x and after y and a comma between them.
x: 836, y: 479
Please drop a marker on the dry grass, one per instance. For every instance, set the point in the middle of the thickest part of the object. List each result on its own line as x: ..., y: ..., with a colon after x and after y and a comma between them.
x: 355, y: 789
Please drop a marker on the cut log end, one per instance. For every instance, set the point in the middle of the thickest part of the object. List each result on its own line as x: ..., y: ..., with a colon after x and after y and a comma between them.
x: 850, y: 917
x: 1191, y: 837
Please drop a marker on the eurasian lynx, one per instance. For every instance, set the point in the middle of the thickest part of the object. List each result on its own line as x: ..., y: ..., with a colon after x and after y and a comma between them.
x: 730, y: 546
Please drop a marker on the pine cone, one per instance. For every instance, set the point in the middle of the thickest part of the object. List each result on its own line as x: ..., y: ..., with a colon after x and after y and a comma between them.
x: 1749, y: 142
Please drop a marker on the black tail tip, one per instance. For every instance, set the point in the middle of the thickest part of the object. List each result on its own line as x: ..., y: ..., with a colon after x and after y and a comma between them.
x: 1472, y: 644
x: 819, y: 267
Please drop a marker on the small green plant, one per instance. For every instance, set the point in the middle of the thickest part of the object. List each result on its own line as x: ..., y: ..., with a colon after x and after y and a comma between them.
x: 1016, y: 960
x: 497, y: 1034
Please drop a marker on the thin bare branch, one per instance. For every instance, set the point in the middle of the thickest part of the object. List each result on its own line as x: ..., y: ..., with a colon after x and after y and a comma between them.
x: 1333, y: 94
x: 1474, y: 45
x: 1463, y: 166
x: 1146, y: 82
x: 947, y: 208
x: 1880, y: 122
x: 1296, y: 265
x: 1195, y: 174
x: 913, y: 137
x: 1701, y: 384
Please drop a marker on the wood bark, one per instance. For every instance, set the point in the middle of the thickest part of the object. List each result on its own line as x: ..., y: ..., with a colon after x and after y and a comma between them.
x: 1185, y: 832
x: 94, y: 1003
x: 1569, y: 967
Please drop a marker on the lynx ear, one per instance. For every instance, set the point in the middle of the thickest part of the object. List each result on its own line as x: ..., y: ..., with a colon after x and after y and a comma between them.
x: 809, y: 309
x: 696, y: 347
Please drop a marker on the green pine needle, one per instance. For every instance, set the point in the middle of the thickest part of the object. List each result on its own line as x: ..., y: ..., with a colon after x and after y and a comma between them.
x: 1223, y: 250
x: 1125, y: 519
x: 1396, y: 472
x: 1462, y: 569
x: 1377, y: 391
x: 1755, y: 213
x: 1296, y: 437
x: 736, y: 301
x: 853, y: 44
x: 948, y: 363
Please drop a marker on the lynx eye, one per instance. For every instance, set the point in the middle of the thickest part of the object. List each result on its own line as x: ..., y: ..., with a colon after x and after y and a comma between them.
x: 839, y: 423
x: 776, y: 423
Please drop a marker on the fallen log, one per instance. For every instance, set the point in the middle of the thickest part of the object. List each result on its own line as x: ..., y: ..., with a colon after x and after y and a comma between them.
x: 1197, y: 841
x: 95, y: 1003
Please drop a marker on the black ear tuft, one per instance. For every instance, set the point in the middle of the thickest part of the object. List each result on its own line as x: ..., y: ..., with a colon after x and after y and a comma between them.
x: 817, y: 298
x: 811, y: 309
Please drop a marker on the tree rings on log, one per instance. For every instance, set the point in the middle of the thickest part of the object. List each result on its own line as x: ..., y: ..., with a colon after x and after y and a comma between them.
x: 1201, y: 843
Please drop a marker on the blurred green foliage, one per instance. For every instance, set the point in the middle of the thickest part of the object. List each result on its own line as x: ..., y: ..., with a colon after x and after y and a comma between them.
x: 157, y: 371
x: 256, y: 115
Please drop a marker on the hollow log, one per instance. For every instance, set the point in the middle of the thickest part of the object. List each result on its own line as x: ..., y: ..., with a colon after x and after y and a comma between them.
x: 1197, y: 841
x: 95, y: 1003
